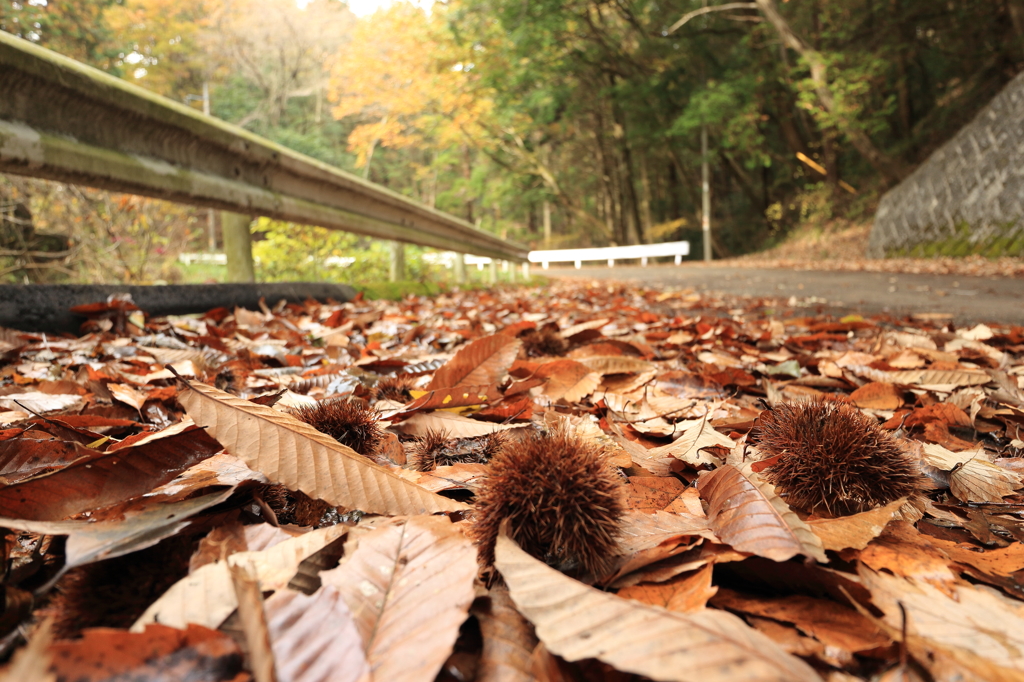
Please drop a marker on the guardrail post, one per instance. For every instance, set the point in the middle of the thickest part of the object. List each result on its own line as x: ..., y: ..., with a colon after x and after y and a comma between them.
x: 397, y: 270
x: 237, y: 246
x: 526, y: 270
x: 460, y: 268
x: 494, y: 271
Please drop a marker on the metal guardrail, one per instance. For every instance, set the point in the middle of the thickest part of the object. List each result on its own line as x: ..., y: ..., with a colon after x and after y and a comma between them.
x: 63, y: 120
x: 612, y: 254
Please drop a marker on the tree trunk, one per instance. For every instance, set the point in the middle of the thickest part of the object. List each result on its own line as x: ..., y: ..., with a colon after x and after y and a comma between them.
x: 889, y: 168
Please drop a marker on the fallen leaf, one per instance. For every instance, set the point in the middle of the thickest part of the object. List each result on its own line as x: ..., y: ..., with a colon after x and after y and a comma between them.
x: 509, y: 640
x: 293, y: 453
x: 578, y: 622
x: 693, y: 446
x: 877, y: 396
x: 207, y: 596
x: 253, y: 622
x: 970, y: 618
x: 127, y: 395
x: 616, y: 364
x: 456, y: 426
x: 409, y: 587
x: 481, y: 363
x: 685, y: 594
x: 34, y: 662
x: 856, y: 531
x: 306, y: 650
x: 567, y: 380
x: 156, y: 653
x: 831, y: 623
x: 972, y: 478
x: 98, y: 479
x: 750, y: 516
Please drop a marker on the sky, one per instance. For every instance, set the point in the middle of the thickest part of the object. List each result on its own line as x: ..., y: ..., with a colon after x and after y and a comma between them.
x: 363, y: 8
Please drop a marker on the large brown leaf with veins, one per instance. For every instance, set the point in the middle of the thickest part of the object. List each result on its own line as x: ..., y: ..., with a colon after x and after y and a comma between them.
x: 294, y: 453
x: 578, y: 622
x: 481, y: 363
x: 749, y: 515
x: 409, y: 586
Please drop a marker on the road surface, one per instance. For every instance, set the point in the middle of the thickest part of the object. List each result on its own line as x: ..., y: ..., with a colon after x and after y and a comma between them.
x: 968, y: 299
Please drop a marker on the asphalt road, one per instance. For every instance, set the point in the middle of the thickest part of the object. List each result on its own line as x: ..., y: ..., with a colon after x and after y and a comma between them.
x: 968, y: 299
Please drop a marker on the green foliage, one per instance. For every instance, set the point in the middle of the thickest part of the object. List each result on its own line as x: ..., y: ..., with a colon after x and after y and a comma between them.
x: 286, y: 252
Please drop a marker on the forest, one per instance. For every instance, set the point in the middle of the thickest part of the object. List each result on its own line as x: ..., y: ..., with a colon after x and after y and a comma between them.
x: 551, y: 122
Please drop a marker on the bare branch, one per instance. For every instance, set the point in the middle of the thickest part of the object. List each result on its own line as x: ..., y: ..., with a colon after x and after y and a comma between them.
x: 707, y: 10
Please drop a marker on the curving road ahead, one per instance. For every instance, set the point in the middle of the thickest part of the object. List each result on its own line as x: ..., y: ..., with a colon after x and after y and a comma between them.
x: 968, y: 299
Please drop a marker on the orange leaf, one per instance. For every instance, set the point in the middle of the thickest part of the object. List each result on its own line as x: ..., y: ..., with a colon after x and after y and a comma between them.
x: 877, y: 396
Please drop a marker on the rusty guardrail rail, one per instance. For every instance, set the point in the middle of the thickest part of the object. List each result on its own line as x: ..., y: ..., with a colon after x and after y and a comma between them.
x: 63, y: 120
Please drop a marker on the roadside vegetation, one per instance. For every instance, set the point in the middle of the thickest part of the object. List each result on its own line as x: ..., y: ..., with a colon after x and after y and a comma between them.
x: 551, y: 123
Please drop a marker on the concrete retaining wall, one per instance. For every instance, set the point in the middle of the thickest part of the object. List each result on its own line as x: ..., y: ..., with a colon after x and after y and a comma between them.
x: 971, y: 189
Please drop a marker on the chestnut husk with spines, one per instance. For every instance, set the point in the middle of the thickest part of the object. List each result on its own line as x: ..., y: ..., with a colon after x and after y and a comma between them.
x: 831, y: 458
x: 560, y: 500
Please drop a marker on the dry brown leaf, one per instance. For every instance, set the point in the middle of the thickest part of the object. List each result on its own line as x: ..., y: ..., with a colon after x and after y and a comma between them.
x: 127, y: 395
x: 583, y: 327
x: 409, y: 587
x: 973, y: 619
x: 577, y: 622
x: 509, y: 640
x: 99, y: 479
x: 461, y: 475
x: 691, y: 446
x: 456, y: 426
x: 159, y: 653
x: 481, y: 363
x: 32, y: 663
x: 314, y: 637
x: 685, y: 594
x: 973, y: 477
x: 903, y: 551
x: 567, y: 379
x: 38, y: 402
x: 207, y: 596
x: 750, y: 516
x: 293, y: 453
x: 616, y: 364
x: 831, y: 623
x: 932, y: 377
x: 92, y: 541
x: 856, y: 531
x: 254, y: 622
x: 877, y: 396
x: 647, y: 525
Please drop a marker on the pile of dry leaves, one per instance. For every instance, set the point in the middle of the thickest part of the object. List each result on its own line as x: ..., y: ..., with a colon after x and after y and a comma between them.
x: 608, y: 453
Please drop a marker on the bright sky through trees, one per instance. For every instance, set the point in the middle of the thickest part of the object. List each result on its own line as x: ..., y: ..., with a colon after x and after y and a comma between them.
x: 362, y: 8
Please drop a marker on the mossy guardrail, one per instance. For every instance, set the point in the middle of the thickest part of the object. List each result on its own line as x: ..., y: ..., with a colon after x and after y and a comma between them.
x: 63, y: 120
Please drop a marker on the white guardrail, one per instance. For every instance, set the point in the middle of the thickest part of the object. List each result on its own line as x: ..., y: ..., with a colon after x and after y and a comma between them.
x: 612, y: 254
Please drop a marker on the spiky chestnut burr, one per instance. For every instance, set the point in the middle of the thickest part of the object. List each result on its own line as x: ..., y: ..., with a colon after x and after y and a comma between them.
x: 347, y: 421
x: 543, y: 342
x: 437, y: 449
x: 832, y: 457
x: 560, y: 497
x: 393, y: 388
